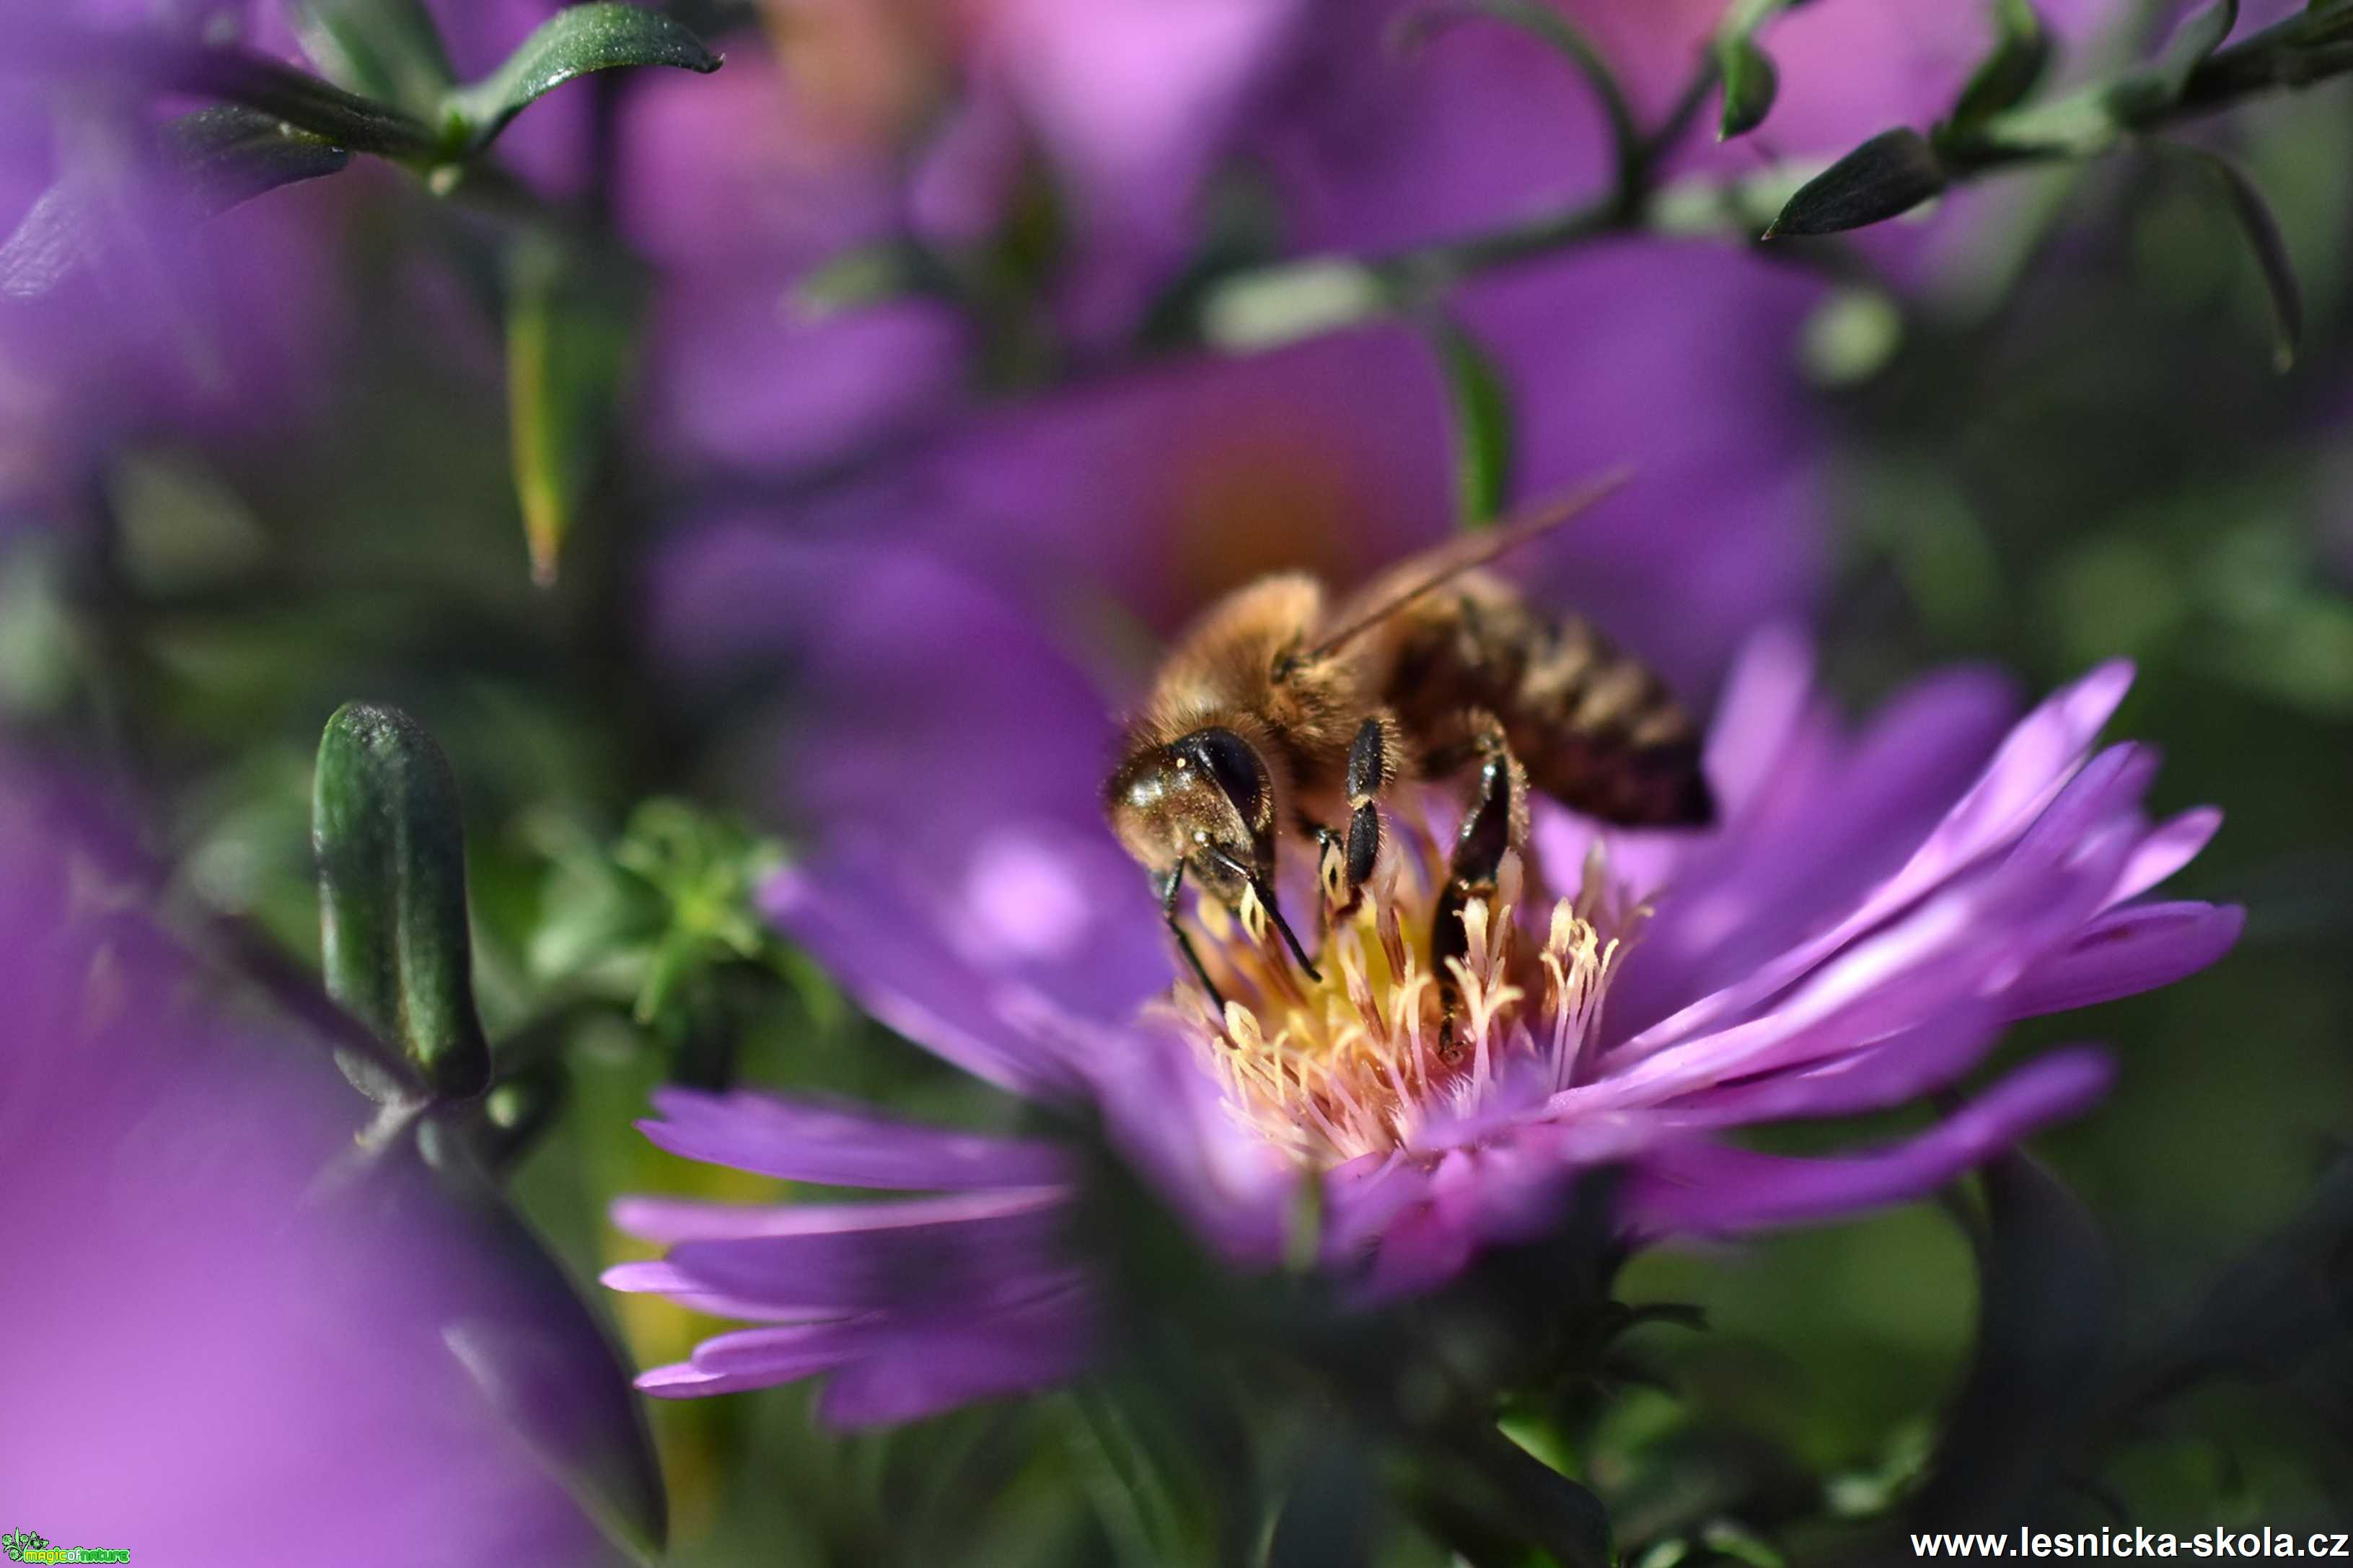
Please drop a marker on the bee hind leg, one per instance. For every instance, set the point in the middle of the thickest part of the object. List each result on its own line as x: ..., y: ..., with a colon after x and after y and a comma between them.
x: 1494, y: 824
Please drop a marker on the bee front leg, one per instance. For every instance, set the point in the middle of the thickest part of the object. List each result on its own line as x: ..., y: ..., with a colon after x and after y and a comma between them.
x: 1167, y: 885
x: 1495, y: 824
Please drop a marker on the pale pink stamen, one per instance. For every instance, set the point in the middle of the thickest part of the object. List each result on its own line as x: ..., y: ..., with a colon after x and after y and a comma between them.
x: 1356, y: 1062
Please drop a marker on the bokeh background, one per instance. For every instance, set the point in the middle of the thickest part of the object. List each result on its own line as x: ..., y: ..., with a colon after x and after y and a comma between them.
x: 910, y: 345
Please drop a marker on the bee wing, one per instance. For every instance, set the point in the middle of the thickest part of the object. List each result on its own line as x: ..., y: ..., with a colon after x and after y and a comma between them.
x: 1435, y: 568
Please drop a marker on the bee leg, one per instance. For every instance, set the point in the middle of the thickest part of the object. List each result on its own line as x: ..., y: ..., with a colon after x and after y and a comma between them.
x: 1167, y: 887
x: 1495, y: 824
x: 1372, y: 767
x: 1374, y: 759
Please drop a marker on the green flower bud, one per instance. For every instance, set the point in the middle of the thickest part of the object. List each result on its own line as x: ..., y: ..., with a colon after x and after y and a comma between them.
x: 392, y: 894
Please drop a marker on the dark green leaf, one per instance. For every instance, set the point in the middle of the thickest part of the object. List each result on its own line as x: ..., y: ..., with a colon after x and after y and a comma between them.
x: 1749, y: 83
x: 1331, y: 1517
x: 386, y: 49
x: 229, y: 155
x: 544, y: 1363
x: 1890, y: 175
x: 395, y: 944
x: 573, y: 42
x: 2046, y: 1325
x: 569, y: 327
x: 2262, y: 230
x: 1480, y: 407
x: 2284, y: 1303
x: 2021, y: 54
x: 1486, y: 1495
x: 213, y: 160
x: 295, y: 97
x: 1744, y: 70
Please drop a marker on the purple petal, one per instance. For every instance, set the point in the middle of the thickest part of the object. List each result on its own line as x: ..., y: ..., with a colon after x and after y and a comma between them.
x: 2170, y: 846
x: 1767, y: 695
x: 785, y: 1354
x: 2128, y: 951
x: 1712, y: 1189
x: 656, y: 1277
x: 858, y: 919
x: 842, y: 1147
x: 1891, y: 1071
x: 923, y: 1367
x: 1171, y: 1120
x: 2029, y: 775
x: 682, y: 1380
x: 1721, y: 1190
x: 1969, y: 940
x: 2040, y: 754
x: 840, y: 1258
x: 1825, y: 830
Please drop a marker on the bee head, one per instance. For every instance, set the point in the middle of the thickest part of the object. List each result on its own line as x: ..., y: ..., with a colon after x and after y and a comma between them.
x: 1205, y: 799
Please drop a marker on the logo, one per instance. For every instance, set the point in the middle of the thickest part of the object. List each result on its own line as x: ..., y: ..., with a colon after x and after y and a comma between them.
x: 32, y: 1546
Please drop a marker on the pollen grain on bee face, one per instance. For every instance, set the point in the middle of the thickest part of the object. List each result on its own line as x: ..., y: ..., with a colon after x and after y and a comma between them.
x: 1361, y: 1061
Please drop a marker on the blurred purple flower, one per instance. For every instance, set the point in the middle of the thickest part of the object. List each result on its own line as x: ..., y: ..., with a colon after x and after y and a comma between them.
x: 736, y: 190
x: 210, y: 1357
x: 1874, y: 908
x: 168, y: 321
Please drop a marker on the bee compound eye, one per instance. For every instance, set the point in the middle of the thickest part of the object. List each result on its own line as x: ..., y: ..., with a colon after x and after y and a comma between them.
x: 1234, y: 763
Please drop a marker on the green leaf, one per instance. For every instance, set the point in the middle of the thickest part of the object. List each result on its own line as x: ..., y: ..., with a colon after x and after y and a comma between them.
x: 301, y: 100
x: 1888, y: 176
x: 1479, y: 404
x: 2021, y: 55
x: 395, y: 944
x: 2263, y: 234
x: 1749, y: 84
x: 2143, y: 96
x: 573, y: 42
x: 386, y: 49
x: 569, y: 326
x: 213, y: 158
x: 229, y: 155
x: 2047, y: 1323
x: 2197, y: 38
x: 1743, y: 68
x: 543, y: 1361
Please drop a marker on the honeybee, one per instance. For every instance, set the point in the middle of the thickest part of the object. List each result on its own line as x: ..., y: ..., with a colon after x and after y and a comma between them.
x: 1279, y: 711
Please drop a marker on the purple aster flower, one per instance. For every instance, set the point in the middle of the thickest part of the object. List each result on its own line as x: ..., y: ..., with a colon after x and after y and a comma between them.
x: 1876, y: 905
x: 216, y: 1352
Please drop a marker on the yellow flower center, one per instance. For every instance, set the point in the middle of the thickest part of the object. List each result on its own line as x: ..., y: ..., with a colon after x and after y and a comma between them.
x: 1355, y: 1062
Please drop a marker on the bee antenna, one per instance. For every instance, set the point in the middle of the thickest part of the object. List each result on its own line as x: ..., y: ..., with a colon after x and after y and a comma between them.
x: 1479, y: 549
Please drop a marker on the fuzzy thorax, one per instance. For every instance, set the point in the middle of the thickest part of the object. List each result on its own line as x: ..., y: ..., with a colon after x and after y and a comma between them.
x: 1356, y: 1063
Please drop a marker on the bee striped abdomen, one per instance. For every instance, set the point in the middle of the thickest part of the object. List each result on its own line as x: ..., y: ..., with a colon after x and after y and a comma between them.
x: 1594, y: 727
